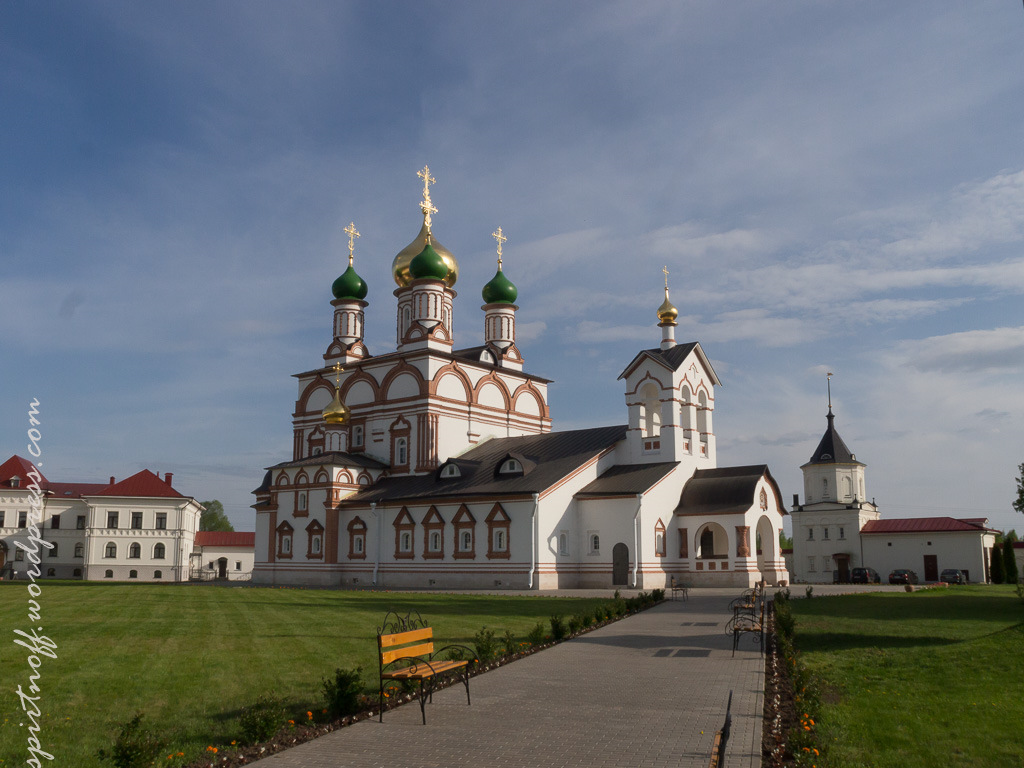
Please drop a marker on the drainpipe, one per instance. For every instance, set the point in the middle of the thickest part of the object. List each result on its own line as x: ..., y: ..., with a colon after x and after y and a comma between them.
x: 380, y: 534
x: 533, y: 539
x: 636, y: 537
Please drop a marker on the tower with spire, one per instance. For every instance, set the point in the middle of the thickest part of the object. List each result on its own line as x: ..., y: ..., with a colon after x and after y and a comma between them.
x: 826, y: 526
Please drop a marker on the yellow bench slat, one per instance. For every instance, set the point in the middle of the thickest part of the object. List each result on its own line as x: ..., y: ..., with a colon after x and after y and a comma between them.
x: 408, y: 652
x: 423, y: 670
x: 401, y: 638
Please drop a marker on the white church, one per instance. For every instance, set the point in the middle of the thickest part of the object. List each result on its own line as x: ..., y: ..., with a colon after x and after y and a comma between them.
x: 435, y: 466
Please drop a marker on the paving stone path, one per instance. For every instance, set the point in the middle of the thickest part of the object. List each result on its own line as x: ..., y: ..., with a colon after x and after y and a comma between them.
x: 650, y: 690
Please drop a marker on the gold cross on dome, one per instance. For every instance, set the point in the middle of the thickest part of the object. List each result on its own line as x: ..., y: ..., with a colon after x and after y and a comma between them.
x: 501, y: 239
x: 352, y: 233
x: 426, y: 205
x: 665, y: 270
x: 337, y: 374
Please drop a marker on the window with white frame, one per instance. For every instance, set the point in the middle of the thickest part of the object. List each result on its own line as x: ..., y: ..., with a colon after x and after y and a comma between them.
x: 53, y: 549
x: 159, y: 551
x: 825, y: 532
x: 161, y: 521
x: 134, y: 551
x: 810, y: 533
x: 110, y: 550
x: 563, y: 543
x: 111, y: 519
x: 594, y: 540
x: 405, y: 542
x: 466, y: 541
x: 842, y: 532
x: 810, y: 564
x: 79, y: 550
x: 501, y: 540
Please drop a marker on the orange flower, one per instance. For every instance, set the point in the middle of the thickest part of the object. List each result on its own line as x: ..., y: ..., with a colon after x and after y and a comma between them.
x: 309, y: 715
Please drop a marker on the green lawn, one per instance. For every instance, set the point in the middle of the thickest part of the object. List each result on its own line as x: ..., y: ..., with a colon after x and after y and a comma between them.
x: 918, y: 680
x: 190, y: 657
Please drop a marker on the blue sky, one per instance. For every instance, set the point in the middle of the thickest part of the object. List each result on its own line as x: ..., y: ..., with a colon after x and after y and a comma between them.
x: 833, y: 186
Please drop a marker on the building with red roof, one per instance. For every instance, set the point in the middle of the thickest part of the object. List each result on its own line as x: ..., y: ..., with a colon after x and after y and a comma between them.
x: 139, y: 528
x: 223, y: 555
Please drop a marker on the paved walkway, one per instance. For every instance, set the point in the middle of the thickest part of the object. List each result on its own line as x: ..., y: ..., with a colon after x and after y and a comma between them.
x: 650, y: 690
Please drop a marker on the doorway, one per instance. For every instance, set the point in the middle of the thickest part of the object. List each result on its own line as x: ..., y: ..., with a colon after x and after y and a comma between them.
x: 620, y: 565
x: 222, y: 568
x: 931, y: 568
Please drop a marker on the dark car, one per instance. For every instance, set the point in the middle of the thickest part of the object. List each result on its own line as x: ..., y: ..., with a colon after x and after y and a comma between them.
x: 903, y: 576
x: 953, y: 576
x: 864, y: 576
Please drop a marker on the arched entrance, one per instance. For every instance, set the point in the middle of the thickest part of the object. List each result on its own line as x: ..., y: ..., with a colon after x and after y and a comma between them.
x: 712, y: 542
x: 620, y: 565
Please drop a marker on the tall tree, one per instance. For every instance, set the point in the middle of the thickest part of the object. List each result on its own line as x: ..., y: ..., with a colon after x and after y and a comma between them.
x: 785, y: 542
x: 1010, y: 574
x: 996, y: 564
x: 213, y: 518
x: 1018, y: 503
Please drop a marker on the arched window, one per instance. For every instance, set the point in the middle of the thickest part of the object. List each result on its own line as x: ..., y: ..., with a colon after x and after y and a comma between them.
x: 108, y: 574
x: 466, y: 541
x: 824, y: 488
x: 158, y: 574
x: 110, y: 551
x: 134, y: 551
x: 53, y: 549
x: 77, y: 573
x: 133, y: 574
x: 79, y: 550
x: 595, y: 543
x: 51, y: 572
x: 847, y: 490
x: 563, y: 544
x: 401, y: 451
x: 659, y: 539
x: 650, y: 411
x: 303, y: 501
x: 159, y: 552
x: 357, y: 435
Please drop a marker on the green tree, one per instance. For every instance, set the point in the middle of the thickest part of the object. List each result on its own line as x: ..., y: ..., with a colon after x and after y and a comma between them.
x: 1010, y: 574
x: 213, y: 518
x: 1018, y: 503
x: 996, y: 565
x: 785, y: 542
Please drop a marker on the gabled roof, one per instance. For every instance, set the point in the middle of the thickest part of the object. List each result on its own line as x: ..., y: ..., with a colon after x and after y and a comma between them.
x: 340, y: 458
x: 225, y: 539
x: 627, y: 480
x: 143, y: 483
x: 832, y: 449
x: 927, y: 525
x: 17, y: 466
x: 555, y: 455
x: 672, y: 359
x: 724, y: 491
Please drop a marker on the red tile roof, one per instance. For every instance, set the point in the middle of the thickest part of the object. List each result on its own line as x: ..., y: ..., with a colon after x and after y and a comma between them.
x: 225, y: 539
x: 143, y: 483
x: 20, y: 467
x: 75, y: 490
x: 925, y: 525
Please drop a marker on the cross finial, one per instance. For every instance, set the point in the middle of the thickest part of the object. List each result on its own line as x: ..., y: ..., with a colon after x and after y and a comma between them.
x: 828, y: 378
x: 353, y: 233
x: 337, y: 375
x: 665, y: 270
x: 426, y: 205
x: 497, y: 235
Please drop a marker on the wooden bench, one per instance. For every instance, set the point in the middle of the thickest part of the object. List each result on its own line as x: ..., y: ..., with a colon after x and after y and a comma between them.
x: 747, y: 619
x: 678, y: 589
x: 407, y: 657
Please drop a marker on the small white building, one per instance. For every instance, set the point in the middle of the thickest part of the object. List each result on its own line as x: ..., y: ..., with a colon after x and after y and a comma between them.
x: 139, y: 528
x: 223, y: 555
x: 836, y: 529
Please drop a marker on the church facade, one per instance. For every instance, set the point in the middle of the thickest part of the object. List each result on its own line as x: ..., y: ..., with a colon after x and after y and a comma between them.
x: 435, y: 466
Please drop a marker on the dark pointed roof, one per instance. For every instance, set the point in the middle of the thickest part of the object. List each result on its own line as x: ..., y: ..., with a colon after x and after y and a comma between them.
x: 672, y: 359
x: 832, y: 449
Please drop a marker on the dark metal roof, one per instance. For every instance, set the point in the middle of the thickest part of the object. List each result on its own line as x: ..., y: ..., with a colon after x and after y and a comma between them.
x: 832, y: 449
x: 334, y: 457
x: 627, y: 479
x: 724, y: 491
x: 554, y: 456
x: 927, y: 525
x: 672, y: 358
x: 470, y: 354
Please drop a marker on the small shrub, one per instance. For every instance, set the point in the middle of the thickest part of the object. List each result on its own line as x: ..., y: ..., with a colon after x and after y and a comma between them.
x: 343, y: 692
x: 809, y: 592
x: 575, y: 625
x: 600, y: 614
x: 485, y: 644
x: 134, y: 747
x: 785, y: 624
x: 657, y: 595
x: 508, y: 643
x: 557, y: 628
x: 996, y: 566
x: 1010, y: 573
x: 536, y: 635
x: 261, y: 720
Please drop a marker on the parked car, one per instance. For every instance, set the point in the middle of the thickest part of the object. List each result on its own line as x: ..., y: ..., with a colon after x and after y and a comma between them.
x: 953, y: 576
x: 903, y: 576
x: 864, y: 576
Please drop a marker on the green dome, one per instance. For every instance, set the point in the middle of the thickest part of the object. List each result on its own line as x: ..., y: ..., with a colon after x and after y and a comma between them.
x: 500, y: 290
x: 428, y: 263
x: 349, y: 285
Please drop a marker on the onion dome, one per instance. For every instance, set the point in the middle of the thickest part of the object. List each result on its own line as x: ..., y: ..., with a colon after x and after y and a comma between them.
x: 500, y: 290
x: 667, y: 313
x: 336, y: 411
x: 429, y: 263
x: 349, y: 286
x: 400, y: 266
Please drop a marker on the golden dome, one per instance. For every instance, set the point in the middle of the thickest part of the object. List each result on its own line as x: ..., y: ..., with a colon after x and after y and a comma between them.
x: 336, y: 411
x: 400, y: 266
x: 667, y: 313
